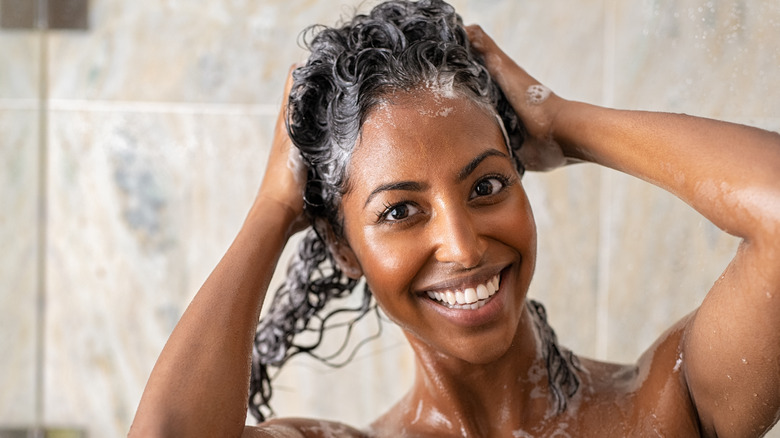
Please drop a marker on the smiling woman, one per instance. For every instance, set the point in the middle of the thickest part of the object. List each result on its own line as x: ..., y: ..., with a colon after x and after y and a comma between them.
x: 408, y: 126
x: 345, y: 117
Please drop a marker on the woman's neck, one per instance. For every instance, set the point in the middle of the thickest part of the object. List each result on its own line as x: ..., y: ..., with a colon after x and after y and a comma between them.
x: 476, y: 399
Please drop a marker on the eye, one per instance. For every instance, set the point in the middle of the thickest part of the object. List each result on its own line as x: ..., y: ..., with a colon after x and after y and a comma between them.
x: 488, y: 186
x: 397, y: 212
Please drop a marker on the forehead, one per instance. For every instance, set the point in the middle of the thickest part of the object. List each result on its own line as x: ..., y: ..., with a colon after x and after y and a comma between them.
x: 413, y: 130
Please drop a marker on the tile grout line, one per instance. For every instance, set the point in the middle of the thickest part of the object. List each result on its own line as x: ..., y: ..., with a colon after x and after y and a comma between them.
x: 605, y: 193
x: 42, y: 232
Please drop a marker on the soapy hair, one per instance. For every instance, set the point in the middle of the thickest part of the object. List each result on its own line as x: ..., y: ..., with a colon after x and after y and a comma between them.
x: 399, y: 46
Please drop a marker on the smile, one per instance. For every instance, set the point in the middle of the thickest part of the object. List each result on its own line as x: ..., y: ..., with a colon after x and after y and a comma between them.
x: 471, y: 298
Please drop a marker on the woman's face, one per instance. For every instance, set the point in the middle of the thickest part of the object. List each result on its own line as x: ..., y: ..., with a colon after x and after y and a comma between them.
x: 435, y: 214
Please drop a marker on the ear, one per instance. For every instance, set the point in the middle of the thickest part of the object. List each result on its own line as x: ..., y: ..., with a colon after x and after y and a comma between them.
x: 344, y: 256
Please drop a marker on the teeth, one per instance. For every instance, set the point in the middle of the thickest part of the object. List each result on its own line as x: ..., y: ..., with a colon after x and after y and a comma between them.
x: 470, y: 298
x: 471, y: 294
x: 483, y: 292
x: 451, y: 297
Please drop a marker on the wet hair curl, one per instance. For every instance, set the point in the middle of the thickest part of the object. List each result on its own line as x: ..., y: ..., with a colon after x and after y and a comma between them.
x: 399, y: 46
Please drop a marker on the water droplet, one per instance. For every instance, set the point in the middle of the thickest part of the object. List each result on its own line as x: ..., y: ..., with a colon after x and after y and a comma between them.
x: 744, y: 361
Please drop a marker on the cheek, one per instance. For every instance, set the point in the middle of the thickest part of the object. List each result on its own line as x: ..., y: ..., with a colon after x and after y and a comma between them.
x: 389, y: 262
x: 512, y: 223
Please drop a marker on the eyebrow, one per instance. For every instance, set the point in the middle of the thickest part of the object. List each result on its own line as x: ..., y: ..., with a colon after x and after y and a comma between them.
x: 414, y: 186
x: 472, y: 166
x: 410, y: 186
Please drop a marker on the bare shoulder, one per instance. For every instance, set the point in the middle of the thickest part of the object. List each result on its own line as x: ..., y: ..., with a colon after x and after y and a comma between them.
x: 647, y: 398
x: 302, y: 428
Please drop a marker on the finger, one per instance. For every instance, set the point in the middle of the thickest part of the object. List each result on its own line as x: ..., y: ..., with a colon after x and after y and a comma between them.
x: 482, y: 42
x: 476, y: 35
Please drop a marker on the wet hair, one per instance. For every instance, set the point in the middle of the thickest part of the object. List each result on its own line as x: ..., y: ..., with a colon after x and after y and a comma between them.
x: 399, y: 46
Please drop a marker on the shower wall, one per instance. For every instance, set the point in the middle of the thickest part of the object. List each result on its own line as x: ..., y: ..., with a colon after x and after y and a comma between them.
x: 19, y: 189
x: 158, y: 122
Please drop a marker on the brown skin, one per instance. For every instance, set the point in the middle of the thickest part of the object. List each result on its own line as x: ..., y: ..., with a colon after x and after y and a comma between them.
x: 715, y: 373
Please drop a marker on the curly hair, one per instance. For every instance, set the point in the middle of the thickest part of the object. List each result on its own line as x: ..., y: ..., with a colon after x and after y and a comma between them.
x: 399, y: 46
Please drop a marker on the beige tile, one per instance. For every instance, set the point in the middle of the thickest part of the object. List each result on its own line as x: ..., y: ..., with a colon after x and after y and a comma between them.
x: 19, y: 64
x: 712, y: 60
x: 560, y: 45
x: 664, y: 257
x: 716, y: 59
x: 566, y: 208
x: 220, y: 51
x: 18, y: 264
x: 142, y: 206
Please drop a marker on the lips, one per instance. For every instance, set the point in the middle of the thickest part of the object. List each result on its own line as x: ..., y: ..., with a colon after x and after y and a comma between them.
x: 467, y: 298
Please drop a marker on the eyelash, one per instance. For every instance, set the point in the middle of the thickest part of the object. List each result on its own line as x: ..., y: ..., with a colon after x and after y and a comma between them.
x: 505, y: 180
x: 381, y: 215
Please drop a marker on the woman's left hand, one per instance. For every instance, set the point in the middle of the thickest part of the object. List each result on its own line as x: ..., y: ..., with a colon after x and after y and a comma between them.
x: 536, y: 105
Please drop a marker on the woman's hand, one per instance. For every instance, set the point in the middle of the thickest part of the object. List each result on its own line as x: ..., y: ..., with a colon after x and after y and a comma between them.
x: 285, y: 175
x: 536, y: 105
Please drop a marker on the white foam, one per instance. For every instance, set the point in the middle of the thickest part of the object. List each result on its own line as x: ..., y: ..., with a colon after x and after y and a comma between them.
x: 328, y: 430
x: 443, y: 86
x: 678, y: 363
x: 537, y: 94
x: 520, y: 433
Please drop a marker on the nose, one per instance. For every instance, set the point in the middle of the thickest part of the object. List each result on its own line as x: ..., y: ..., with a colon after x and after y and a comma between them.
x: 458, y: 240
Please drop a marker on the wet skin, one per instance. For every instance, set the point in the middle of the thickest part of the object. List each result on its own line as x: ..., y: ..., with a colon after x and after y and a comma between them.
x: 434, y: 203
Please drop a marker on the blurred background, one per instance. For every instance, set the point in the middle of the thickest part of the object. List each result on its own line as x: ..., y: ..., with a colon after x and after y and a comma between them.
x: 131, y: 148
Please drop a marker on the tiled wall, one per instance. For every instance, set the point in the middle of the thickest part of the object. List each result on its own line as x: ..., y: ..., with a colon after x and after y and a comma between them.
x: 19, y: 189
x: 158, y: 124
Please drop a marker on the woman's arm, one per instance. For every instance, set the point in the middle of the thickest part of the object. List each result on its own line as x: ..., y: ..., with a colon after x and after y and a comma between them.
x: 200, y: 383
x: 730, y: 174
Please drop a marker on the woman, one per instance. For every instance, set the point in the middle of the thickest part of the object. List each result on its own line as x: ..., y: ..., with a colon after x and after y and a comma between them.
x: 412, y: 181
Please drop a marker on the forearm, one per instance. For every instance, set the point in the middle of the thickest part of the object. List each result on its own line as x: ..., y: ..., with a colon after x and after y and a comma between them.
x: 727, y: 172
x: 199, y: 384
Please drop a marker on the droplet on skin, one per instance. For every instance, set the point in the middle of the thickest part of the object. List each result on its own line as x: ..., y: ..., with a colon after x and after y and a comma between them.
x: 744, y: 361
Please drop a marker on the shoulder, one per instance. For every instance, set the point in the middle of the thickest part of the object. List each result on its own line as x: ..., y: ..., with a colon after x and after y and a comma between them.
x: 652, y: 394
x: 301, y: 428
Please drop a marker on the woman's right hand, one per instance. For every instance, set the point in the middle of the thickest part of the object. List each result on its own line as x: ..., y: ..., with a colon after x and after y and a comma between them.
x: 285, y: 175
x: 536, y: 105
